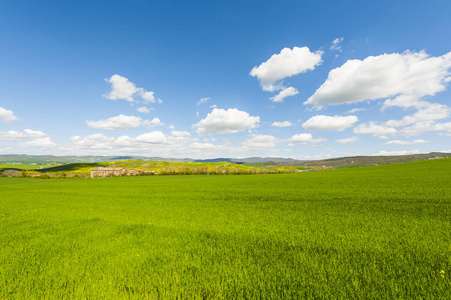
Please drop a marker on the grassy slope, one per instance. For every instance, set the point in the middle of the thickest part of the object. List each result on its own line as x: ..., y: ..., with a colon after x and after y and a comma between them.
x: 376, y: 232
x: 160, y: 167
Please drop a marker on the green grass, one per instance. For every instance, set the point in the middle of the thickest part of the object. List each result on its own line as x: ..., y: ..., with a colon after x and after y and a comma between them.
x: 363, y: 233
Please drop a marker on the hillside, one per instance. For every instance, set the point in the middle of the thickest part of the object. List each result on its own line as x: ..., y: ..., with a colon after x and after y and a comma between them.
x: 250, y: 161
x: 160, y: 167
x: 366, y: 160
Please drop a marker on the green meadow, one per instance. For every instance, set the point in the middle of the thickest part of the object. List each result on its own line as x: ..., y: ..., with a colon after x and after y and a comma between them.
x: 381, y: 232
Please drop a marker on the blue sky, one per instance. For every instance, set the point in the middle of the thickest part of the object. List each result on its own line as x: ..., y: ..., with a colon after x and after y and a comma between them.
x: 202, y: 79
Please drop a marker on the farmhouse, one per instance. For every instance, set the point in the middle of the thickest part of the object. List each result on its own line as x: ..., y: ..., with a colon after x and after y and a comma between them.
x: 105, y: 172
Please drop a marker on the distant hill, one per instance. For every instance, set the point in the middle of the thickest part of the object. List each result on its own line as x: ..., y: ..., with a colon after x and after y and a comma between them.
x: 266, y: 161
x: 366, y: 160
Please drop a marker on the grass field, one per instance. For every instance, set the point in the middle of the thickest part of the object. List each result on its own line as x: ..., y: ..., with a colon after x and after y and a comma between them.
x: 379, y: 232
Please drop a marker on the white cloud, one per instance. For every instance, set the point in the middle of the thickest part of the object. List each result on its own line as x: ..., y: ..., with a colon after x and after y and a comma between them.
x: 427, y: 126
x: 260, y: 142
x: 305, y: 138
x: 7, y: 115
x: 407, y: 77
x: 21, y: 135
x: 123, y: 122
x: 154, y: 137
x: 154, y: 143
x: 201, y: 146
x: 203, y: 100
x: 147, y: 96
x: 336, y: 44
x: 336, y: 123
x: 354, y: 110
x: 226, y: 121
x: 347, y: 140
x: 213, y: 106
x: 144, y: 109
x: 316, y: 157
x: 42, y: 142
x: 287, y: 63
x: 402, y: 152
x: 38, y: 138
x: 153, y: 123
x: 117, y: 122
x: 403, y: 143
x: 180, y: 133
x: 433, y: 111
x: 96, y: 141
x: 282, y: 124
x: 122, y: 88
x: 375, y: 130
x: 289, y: 91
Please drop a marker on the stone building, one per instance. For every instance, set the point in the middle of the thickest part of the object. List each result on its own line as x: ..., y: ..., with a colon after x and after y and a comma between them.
x: 105, y: 172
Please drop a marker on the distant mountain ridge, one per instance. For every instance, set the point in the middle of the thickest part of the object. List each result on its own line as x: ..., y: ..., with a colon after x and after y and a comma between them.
x: 333, y: 162
x: 368, y: 160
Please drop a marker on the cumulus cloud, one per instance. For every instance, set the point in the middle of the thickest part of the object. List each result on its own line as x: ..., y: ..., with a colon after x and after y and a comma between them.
x: 405, y: 77
x: 202, y: 146
x: 123, y: 122
x: 115, y: 123
x: 180, y: 133
x: 203, y: 100
x: 144, y: 109
x: 147, y: 96
x: 7, y: 115
x: 287, y: 63
x: 433, y: 111
x: 336, y: 123
x: 427, y: 126
x: 316, y: 157
x: 347, y: 140
x: 41, y: 142
x: 289, y: 91
x: 402, y: 152
x: 153, y: 143
x: 122, y: 88
x: 305, y: 138
x: 282, y: 124
x: 354, y: 110
x: 154, y: 137
x: 99, y: 141
x: 403, y: 143
x: 336, y: 44
x: 380, y: 131
x: 226, y: 121
x: 153, y: 123
x: 21, y: 135
x: 260, y: 142
x: 37, y: 137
